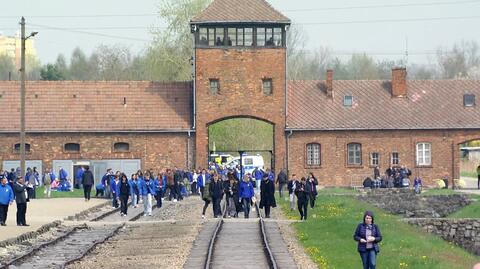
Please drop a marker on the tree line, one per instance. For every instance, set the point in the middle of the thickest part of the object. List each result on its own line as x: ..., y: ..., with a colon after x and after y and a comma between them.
x: 168, y: 57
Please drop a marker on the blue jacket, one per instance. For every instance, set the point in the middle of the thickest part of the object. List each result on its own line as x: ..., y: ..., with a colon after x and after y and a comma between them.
x: 6, y: 194
x: 147, y: 186
x: 115, y: 188
x: 156, y: 185
x: 100, y: 187
x: 200, y: 180
x: 246, y: 189
x: 361, y: 233
x: 133, y: 187
x: 258, y: 174
x: 62, y: 174
x: 271, y: 176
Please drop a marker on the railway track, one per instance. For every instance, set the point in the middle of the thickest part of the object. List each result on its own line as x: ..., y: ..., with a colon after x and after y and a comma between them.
x: 240, y: 243
x: 74, y: 243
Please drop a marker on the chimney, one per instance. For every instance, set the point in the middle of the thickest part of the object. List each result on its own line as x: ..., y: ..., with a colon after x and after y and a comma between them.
x: 399, y: 82
x: 329, y: 83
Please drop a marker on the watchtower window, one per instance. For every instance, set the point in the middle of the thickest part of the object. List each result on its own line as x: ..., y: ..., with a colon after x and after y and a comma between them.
x: 211, y: 36
x: 260, y: 37
x: 203, y: 39
x: 232, y: 37
x: 248, y: 37
x: 219, y: 37
x: 277, y: 36
x: 240, y: 37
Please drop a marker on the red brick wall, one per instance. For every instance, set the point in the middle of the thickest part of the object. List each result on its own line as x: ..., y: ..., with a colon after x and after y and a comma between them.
x: 335, y: 171
x: 240, y: 73
x: 156, y: 151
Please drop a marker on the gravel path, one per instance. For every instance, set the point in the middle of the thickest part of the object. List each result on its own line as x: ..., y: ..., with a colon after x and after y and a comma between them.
x: 163, y: 240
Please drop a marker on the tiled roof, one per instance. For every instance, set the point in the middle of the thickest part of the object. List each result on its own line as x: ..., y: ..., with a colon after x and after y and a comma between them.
x: 430, y: 104
x: 240, y: 11
x: 71, y: 106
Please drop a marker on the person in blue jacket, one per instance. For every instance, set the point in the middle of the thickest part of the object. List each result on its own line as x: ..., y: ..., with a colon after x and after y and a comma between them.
x: 134, y: 190
x: 258, y: 175
x: 6, y: 199
x: 114, y: 188
x: 148, y: 191
x: 368, y: 236
x: 246, y: 194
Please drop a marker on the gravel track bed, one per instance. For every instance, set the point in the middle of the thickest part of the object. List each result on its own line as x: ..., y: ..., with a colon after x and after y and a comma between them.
x: 302, y: 260
x: 151, y: 245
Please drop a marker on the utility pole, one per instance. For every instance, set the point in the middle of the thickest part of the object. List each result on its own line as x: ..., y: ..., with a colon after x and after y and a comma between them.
x: 22, y: 95
x: 22, y: 99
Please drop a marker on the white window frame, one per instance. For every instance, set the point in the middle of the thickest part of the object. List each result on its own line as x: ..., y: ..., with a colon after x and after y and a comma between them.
x: 424, y: 154
x: 314, y: 154
x: 392, y: 159
x: 355, y: 157
x: 377, y: 158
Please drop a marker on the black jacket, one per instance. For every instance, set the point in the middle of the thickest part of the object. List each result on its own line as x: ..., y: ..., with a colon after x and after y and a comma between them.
x: 282, y: 177
x: 301, y: 191
x: 312, y: 190
x: 87, y: 178
x: 267, y: 194
x: 124, y: 188
x: 20, y: 194
x: 216, y: 189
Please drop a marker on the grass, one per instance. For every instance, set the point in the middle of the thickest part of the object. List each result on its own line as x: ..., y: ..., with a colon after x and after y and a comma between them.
x: 336, y: 190
x: 76, y: 193
x: 328, y: 238
x: 470, y: 211
x: 468, y: 174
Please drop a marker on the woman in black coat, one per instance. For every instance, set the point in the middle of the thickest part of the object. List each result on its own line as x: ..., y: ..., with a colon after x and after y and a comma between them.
x: 267, y: 195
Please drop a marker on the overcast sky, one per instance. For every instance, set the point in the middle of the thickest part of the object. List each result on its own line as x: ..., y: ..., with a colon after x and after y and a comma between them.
x: 376, y: 27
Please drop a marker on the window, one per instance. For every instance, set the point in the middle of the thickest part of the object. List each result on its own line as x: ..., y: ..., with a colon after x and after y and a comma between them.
x: 213, y: 86
x: 248, y: 37
x: 269, y: 37
x: 260, y: 37
x: 232, y: 37
x: 267, y: 86
x: 72, y: 147
x: 277, y: 36
x: 354, y: 154
x: 203, y: 37
x: 424, y: 154
x: 374, y: 158
x: 347, y: 100
x: 469, y: 99
x: 395, y: 159
x: 240, y: 37
x: 211, y: 36
x: 16, y: 147
x: 313, y: 154
x: 219, y: 37
x: 121, y: 147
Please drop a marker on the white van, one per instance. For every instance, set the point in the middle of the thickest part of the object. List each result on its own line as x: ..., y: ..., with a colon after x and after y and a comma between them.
x: 249, y: 163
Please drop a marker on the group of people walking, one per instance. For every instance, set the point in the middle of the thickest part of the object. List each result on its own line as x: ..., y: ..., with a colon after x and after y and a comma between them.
x: 303, y: 192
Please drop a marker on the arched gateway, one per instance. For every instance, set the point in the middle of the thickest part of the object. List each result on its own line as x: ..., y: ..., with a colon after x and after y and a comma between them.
x: 240, y: 70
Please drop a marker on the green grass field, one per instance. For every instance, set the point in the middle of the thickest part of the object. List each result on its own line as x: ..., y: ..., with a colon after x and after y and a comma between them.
x: 76, y: 193
x: 468, y: 174
x: 328, y: 238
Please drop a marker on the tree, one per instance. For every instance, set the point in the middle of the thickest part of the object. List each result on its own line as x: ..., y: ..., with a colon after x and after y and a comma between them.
x: 113, y: 62
x: 7, y: 68
x: 457, y: 62
x: 80, y: 68
x: 51, y: 72
x: 168, y: 58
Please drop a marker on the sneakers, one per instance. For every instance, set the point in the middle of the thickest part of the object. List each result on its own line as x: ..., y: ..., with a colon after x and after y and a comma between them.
x: 3, y: 224
x: 203, y: 216
x: 144, y: 214
x: 175, y: 200
x: 150, y: 214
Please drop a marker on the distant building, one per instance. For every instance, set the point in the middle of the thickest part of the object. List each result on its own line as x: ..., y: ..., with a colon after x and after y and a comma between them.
x: 10, y: 46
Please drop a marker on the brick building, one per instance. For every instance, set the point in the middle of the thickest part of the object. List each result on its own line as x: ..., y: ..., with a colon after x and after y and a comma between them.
x: 339, y: 130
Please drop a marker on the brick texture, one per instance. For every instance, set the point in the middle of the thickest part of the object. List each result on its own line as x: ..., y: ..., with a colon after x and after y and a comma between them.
x: 240, y: 73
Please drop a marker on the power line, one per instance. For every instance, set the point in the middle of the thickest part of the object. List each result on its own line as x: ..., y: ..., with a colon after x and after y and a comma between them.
x: 89, y: 33
x: 392, y: 20
x: 286, y: 10
x: 384, y: 6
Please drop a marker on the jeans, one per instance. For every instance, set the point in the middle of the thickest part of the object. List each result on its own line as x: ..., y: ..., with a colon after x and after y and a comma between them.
x: 281, y: 186
x: 123, y: 203
x: 302, y: 208
x: 48, y: 191
x: 147, y: 204
x: 369, y: 259
x: 205, y: 206
x: 134, y: 199
x: 217, y: 210
x: 21, y: 212
x: 3, y: 213
x: 158, y: 197
x: 292, y: 200
x: 246, y: 206
x: 87, y: 189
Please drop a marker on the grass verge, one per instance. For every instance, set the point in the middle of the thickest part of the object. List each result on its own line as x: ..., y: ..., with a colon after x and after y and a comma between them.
x: 76, y: 193
x: 328, y: 238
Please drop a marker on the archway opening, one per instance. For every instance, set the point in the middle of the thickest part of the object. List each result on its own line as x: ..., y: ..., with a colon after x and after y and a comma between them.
x: 242, y: 141
x: 469, y: 162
